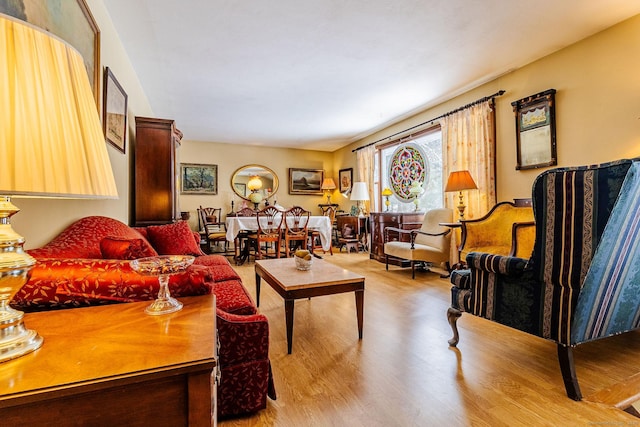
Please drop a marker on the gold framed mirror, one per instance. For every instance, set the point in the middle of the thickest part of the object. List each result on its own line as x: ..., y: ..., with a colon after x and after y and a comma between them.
x: 254, y: 182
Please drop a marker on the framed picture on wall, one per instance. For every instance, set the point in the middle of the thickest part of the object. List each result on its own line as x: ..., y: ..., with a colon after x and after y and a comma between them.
x: 536, y: 130
x: 305, y: 181
x: 198, y: 179
x: 345, y: 176
x: 114, y: 111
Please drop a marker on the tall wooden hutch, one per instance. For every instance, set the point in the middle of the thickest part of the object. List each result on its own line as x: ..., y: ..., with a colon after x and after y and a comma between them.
x: 156, y: 172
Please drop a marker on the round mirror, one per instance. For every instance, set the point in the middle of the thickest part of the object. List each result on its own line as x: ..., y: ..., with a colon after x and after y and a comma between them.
x: 254, y: 182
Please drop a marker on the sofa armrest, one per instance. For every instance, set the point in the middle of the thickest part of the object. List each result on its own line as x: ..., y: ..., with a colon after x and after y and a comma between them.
x: 242, y: 338
x: 523, y: 236
x: 499, y: 264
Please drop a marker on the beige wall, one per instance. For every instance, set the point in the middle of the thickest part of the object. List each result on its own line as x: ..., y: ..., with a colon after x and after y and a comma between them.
x: 597, y: 106
x: 230, y: 157
x: 598, y: 119
x: 40, y: 220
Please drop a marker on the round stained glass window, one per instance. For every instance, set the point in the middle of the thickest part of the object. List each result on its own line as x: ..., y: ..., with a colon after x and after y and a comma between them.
x: 408, y: 164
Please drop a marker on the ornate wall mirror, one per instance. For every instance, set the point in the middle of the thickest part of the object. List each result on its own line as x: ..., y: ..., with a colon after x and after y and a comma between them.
x: 254, y: 183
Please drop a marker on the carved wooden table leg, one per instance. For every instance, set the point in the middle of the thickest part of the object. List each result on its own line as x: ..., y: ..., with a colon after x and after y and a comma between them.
x: 453, y: 314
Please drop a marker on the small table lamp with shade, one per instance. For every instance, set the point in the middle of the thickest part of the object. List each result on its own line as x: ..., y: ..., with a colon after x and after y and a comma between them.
x: 53, y: 146
x: 327, y: 185
x: 255, y: 184
x: 416, y: 190
x: 360, y: 193
x: 386, y: 192
x: 459, y: 181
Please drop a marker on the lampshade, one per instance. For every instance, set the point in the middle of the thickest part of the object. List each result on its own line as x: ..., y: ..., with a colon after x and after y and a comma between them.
x: 359, y: 191
x: 328, y: 184
x: 386, y: 192
x: 51, y: 138
x: 51, y: 144
x: 460, y: 180
x: 255, y: 183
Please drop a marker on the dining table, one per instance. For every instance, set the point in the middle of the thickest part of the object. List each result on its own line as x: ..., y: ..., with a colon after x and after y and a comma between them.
x: 237, y: 224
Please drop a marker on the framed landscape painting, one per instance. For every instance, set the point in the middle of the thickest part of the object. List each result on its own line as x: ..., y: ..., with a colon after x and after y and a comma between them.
x: 199, y: 179
x: 305, y: 181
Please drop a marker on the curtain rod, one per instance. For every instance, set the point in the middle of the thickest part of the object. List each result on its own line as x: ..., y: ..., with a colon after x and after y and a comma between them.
x: 471, y: 104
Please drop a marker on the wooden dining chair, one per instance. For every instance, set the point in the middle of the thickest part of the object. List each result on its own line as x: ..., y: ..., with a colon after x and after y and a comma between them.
x: 269, y: 231
x: 241, y: 243
x: 212, y: 228
x: 314, y: 234
x: 296, y: 222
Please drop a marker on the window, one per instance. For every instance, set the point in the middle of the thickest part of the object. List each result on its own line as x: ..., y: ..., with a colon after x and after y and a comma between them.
x: 429, y: 144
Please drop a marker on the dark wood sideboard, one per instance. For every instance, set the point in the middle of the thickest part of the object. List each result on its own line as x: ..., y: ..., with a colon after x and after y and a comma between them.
x: 380, y: 220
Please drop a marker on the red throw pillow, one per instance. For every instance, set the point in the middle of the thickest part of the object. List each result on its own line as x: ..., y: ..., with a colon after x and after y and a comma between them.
x: 174, y: 239
x: 123, y: 248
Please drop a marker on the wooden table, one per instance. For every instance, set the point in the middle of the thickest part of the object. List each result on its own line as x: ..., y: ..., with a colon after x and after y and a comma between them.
x: 116, y: 365
x: 322, y: 279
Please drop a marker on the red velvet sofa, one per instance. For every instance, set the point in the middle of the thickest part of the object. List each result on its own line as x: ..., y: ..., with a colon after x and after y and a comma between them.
x: 88, y: 264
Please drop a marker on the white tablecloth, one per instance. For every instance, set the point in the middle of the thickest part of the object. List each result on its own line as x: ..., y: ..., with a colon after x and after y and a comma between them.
x: 321, y: 223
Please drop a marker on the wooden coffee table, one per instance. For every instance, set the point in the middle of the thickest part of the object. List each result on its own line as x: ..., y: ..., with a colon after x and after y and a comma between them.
x: 322, y: 279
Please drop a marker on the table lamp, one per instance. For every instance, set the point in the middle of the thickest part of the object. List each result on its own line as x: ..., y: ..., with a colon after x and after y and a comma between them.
x: 459, y: 181
x: 255, y: 184
x: 386, y: 192
x: 327, y: 186
x: 52, y: 146
x: 416, y: 190
x: 360, y: 193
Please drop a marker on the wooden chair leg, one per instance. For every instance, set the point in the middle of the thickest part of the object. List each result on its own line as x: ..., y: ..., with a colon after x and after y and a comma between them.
x: 413, y: 269
x: 568, y: 369
x: 386, y: 259
x: 453, y: 314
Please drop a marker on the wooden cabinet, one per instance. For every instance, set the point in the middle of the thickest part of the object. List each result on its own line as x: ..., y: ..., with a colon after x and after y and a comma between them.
x: 380, y: 220
x: 156, y: 172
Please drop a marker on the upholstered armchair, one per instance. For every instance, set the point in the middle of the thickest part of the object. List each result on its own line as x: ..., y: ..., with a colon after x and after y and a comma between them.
x: 506, y: 229
x: 581, y: 282
x: 430, y: 243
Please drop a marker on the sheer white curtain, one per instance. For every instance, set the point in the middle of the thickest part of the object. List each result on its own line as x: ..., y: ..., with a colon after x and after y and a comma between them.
x: 365, y: 160
x: 468, y: 138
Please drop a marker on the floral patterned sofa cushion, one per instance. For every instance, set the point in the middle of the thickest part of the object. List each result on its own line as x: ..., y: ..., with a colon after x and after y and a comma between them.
x: 82, y: 238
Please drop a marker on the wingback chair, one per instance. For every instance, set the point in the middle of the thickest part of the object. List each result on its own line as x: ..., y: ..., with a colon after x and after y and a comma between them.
x: 430, y: 243
x: 581, y: 282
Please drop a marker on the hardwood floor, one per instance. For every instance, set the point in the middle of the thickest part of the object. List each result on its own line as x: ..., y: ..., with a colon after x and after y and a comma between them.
x: 403, y: 373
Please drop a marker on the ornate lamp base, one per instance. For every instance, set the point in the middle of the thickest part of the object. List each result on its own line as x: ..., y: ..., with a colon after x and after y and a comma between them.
x: 15, y: 339
x: 15, y: 268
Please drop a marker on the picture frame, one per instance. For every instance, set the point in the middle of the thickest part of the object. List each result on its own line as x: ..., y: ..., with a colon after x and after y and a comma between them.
x: 240, y: 188
x: 345, y: 178
x: 72, y: 21
x: 199, y: 179
x: 536, y: 130
x: 305, y: 181
x: 114, y: 111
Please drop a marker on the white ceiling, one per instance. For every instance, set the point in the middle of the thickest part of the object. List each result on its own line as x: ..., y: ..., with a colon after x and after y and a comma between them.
x: 321, y: 74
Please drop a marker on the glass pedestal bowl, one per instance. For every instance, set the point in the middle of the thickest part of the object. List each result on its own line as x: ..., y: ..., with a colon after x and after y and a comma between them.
x: 162, y: 267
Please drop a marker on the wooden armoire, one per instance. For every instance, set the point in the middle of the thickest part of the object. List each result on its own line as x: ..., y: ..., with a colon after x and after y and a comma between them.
x: 156, y: 172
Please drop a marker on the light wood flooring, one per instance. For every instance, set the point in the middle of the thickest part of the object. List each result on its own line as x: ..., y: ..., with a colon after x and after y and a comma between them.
x: 403, y: 373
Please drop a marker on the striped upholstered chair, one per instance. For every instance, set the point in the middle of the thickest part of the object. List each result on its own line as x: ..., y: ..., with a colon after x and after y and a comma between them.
x: 581, y: 282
